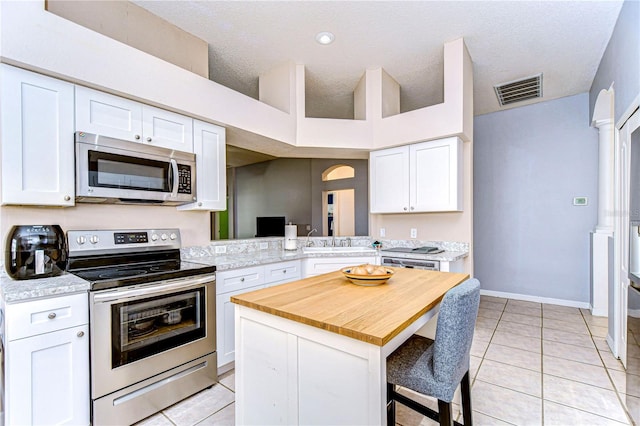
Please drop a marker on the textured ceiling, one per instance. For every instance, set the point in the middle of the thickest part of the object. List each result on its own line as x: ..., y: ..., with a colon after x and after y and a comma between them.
x: 507, y: 40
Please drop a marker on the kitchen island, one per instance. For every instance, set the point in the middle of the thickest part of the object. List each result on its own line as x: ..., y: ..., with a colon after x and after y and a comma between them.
x: 314, y: 351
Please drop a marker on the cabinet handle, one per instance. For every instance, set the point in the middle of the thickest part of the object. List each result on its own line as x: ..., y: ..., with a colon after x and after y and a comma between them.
x: 67, y: 198
x: 284, y: 271
x: 200, y: 204
x: 242, y: 279
x: 137, y: 137
x: 405, y: 209
x: 51, y: 315
x: 149, y: 139
x: 80, y: 333
x: 411, y: 207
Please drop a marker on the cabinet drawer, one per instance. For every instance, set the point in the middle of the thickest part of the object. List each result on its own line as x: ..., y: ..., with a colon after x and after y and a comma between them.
x: 239, y: 279
x: 278, y: 273
x: 46, y: 315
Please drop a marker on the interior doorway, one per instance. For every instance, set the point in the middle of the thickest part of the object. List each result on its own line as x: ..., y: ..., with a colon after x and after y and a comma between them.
x: 338, y: 205
x: 338, y: 213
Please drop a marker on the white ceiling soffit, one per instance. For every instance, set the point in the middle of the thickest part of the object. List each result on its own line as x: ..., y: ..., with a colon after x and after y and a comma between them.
x: 564, y: 40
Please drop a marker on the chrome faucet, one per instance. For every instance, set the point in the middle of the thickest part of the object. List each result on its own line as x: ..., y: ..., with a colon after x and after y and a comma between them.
x: 333, y: 235
x: 308, y: 244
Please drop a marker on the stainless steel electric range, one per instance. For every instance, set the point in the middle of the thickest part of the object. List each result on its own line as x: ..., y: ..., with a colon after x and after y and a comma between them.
x: 152, y: 321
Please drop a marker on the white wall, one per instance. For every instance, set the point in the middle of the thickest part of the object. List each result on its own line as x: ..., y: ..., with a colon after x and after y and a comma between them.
x: 529, y: 163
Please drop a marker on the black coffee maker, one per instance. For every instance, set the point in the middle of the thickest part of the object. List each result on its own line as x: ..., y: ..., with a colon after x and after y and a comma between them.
x: 35, y: 251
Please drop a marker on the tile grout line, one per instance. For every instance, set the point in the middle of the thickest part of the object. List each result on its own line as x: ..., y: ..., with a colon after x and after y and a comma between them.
x: 606, y: 369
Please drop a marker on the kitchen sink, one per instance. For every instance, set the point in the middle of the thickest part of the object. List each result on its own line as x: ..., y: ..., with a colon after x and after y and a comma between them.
x: 366, y: 250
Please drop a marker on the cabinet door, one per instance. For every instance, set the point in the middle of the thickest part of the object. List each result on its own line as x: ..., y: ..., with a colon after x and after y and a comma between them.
x: 225, y: 326
x: 48, y: 378
x: 105, y: 114
x: 37, y: 139
x: 209, y: 144
x: 389, y: 180
x: 436, y: 176
x: 167, y: 129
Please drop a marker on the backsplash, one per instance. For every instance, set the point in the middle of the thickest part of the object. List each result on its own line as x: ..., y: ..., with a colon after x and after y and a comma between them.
x: 250, y: 245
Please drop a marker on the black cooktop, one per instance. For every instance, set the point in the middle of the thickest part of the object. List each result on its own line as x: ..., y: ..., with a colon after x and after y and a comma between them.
x: 125, y: 275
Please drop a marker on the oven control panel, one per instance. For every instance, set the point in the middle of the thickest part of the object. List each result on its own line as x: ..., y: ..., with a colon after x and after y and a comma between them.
x: 118, y: 241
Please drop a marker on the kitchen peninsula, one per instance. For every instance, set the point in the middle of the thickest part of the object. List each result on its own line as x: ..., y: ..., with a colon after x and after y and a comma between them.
x: 314, y: 351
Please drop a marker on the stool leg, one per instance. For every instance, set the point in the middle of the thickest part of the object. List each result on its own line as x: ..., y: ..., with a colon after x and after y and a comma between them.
x: 444, y: 411
x: 465, y: 389
x: 391, y: 405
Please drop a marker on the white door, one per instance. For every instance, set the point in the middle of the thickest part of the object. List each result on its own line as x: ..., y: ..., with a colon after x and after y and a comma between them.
x: 211, y: 167
x: 108, y: 115
x: 48, y: 378
x: 167, y: 129
x: 37, y: 139
x: 618, y: 318
x: 389, y: 180
x: 435, y: 176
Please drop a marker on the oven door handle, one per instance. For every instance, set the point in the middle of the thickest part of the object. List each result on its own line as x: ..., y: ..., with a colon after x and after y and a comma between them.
x: 153, y: 290
x: 175, y: 180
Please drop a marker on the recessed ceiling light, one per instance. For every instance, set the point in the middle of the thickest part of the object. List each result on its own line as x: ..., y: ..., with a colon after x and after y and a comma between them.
x: 325, y: 37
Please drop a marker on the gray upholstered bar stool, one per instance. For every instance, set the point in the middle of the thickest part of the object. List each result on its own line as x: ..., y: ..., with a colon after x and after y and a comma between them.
x: 435, y: 368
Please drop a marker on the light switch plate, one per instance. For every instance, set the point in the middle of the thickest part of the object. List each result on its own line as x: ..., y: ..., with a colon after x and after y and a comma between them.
x: 221, y: 249
x: 382, y: 232
x: 264, y: 246
x: 414, y: 233
x: 580, y: 201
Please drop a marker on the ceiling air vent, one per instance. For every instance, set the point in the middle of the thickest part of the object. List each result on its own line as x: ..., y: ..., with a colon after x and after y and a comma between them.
x: 519, y: 90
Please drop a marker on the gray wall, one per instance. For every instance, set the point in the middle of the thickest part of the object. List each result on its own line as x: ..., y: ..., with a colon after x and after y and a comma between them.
x: 272, y: 188
x: 620, y: 63
x: 292, y: 187
x: 529, y: 163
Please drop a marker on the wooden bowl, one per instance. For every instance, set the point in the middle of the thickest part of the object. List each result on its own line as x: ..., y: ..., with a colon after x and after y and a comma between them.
x: 366, y: 279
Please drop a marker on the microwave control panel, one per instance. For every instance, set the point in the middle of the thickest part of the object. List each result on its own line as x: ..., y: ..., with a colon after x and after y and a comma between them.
x: 184, y: 179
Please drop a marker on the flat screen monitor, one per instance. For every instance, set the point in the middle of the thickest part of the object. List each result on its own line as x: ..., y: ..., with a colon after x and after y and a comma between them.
x: 270, y: 226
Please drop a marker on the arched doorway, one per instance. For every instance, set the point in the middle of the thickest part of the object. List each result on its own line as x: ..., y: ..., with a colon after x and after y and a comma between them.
x: 338, y: 206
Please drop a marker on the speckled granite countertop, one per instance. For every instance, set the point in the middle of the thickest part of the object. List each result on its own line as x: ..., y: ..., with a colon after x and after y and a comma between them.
x: 21, y: 290
x: 237, y: 254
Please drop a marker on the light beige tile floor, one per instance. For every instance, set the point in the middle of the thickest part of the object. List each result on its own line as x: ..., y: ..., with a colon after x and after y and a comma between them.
x: 531, y: 364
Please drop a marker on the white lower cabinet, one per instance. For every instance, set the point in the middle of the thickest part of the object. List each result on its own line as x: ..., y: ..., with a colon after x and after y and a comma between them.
x: 321, y: 265
x: 46, y: 365
x: 238, y: 281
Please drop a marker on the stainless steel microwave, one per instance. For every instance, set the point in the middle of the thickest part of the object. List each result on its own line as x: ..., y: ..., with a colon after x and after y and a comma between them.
x: 116, y: 171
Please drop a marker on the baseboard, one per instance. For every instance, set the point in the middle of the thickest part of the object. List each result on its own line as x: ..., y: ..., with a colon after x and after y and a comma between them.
x: 598, y: 312
x: 528, y: 298
x: 227, y: 367
x: 609, y: 341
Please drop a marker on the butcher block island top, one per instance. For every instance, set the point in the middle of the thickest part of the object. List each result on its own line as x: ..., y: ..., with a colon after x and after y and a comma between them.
x: 374, y: 315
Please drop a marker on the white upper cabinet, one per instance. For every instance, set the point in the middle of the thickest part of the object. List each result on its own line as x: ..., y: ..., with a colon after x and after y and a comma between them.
x: 167, y: 129
x: 389, y: 180
x: 109, y: 115
x: 424, y: 177
x: 37, y: 139
x: 211, y: 172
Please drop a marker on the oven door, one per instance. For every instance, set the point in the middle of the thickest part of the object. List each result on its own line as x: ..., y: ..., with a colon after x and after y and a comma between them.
x: 116, y: 172
x: 142, y: 331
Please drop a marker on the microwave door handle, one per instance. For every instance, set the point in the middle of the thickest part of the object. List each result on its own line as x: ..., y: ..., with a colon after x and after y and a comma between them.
x: 174, y: 178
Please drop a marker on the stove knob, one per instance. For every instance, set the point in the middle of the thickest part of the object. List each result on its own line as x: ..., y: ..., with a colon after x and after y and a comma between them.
x: 154, y: 237
x: 94, y: 239
x: 81, y: 240
x: 173, y: 236
x: 163, y: 237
